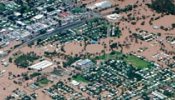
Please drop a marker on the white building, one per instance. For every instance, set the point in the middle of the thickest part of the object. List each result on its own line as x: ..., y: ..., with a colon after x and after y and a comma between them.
x: 100, y: 5
x: 37, y: 17
x: 2, y: 54
x: 83, y: 64
x: 113, y: 17
x: 75, y: 83
x: 159, y: 95
x: 41, y: 65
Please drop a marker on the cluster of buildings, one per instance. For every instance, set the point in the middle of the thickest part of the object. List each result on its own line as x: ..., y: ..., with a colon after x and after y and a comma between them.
x: 62, y: 91
x: 171, y: 39
x: 115, y: 79
x: 111, y: 79
x: 145, y: 36
x: 41, y: 18
x: 116, y: 76
x: 18, y: 94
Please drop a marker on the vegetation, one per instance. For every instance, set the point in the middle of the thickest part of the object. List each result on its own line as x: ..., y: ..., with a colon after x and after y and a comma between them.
x: 79, y: 78
x: 77, y: 10
x: 50, y: 54
x: 2, y: 7
x: 174, y: 57
x: 42, y: 81
x: 17, y: 45
x: 50, y: 1
x: 96, y: 28
x: 25, y: 60
x: 35, y: 74
x: 10, y: 60
x: 113, y: 55
x: 137, y: 62
x: 126, y: 9
x: 163, y: 6
x: 117, y: 32
x: 173, y: 25
x: 131, y: 74
x: 70, y: 60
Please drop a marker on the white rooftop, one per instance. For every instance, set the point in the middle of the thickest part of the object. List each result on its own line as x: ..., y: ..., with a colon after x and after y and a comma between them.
x: 113, y: 16
x: 102, y: 5
x: 83, y: 62
x: 41, y: 65
x: 21, y: 23
x: 1, y: 52
x: 160, y: 95
x: 38, y: 17
x: 17, y: 13
x: 74, y: 82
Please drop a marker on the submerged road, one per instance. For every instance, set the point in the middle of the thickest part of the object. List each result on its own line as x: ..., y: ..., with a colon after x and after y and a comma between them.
x: 57, y: 30
x: 64, y: 27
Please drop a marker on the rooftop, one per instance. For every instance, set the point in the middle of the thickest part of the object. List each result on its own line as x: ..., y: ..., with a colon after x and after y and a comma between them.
x: 41, y: 65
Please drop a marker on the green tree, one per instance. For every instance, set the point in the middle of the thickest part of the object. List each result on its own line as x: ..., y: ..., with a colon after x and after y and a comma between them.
x: 163, y: 6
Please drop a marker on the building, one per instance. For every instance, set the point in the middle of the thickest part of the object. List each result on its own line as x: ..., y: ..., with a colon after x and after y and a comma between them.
x: 41, y: 65
x: 159, y: 95
x: 100, y: 5
x: 37, y: 27
x: 83, y: 64
x: 37, y: 17
x: 171, y: 39
x: 144, y: 36
x: 3, y: 40
x: 21, y: 34
x: 20, y: 23
x: 75, y: 83
x: 113, y: 17
x: 3, y: 54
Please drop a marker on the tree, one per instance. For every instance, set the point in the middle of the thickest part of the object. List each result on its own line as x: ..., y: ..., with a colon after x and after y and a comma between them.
x: 163, y: 6
x: 173, y: 25
x: 10, y: 60
x: 174, y: 57
x: 2, y: 7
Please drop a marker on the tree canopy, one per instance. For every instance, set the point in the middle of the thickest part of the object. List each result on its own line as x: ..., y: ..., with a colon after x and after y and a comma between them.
x: 2, y: 7
x: 163, y: 6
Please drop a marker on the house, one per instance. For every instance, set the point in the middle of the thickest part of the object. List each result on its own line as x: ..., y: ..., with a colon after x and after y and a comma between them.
x: 75, y: 83
x: 2, y: 54
x: 145, y: 36
x: 38, y: 17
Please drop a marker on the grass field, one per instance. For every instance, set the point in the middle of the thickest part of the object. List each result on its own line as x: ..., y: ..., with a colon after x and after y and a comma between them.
x: 137, y: 62
x: 130, y: 59
x: 79, y: 78
x: 42, y: 82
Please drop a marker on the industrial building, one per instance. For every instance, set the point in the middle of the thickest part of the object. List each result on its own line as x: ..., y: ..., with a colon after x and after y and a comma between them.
x: 41, y: 65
